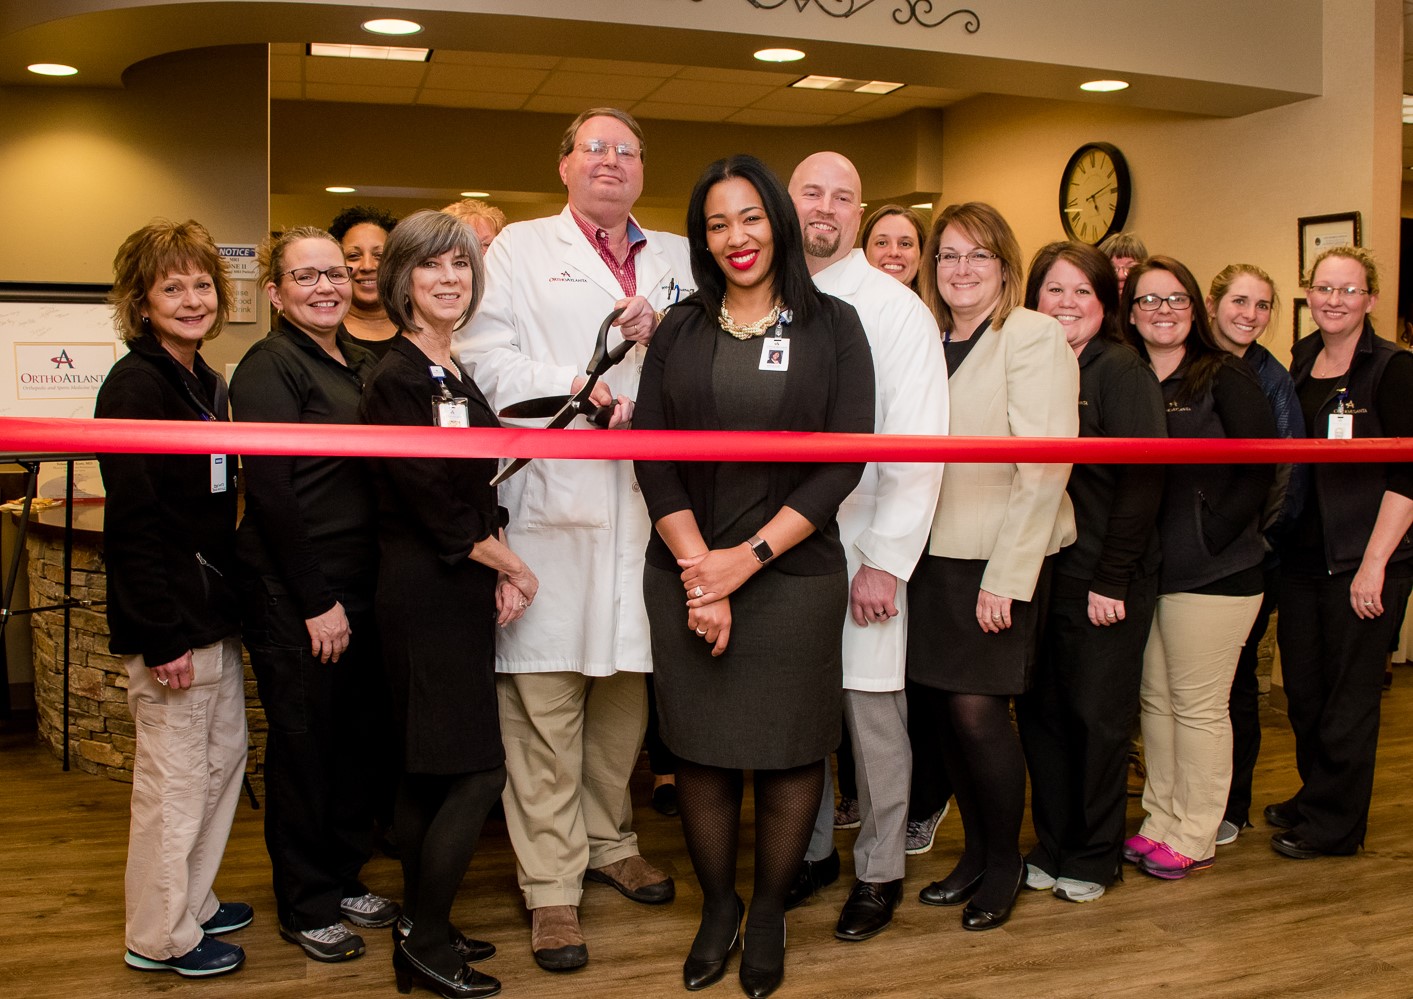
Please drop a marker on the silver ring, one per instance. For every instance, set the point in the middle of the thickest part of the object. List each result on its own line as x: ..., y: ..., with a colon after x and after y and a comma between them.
x: 997, y: 617
x: 1368, y: 603
x: 697, y: 592
x: 1111, y: 615
x: 699, y: 631
x: 161, y: 681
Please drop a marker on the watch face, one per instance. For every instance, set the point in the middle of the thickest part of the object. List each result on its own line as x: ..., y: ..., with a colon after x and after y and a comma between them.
x: 1094, y: 193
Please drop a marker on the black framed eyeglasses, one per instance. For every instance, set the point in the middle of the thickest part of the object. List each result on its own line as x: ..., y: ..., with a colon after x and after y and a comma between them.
x: 1152, y: 303
x: 306, y: 276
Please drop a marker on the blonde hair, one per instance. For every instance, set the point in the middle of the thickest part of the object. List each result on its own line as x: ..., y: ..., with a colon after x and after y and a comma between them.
x: 1357, y: 253
x: 271, y: 255
x: 990, y: 231
x: 157, y: 249
x: 473, y: 208
x: 1221, y: 284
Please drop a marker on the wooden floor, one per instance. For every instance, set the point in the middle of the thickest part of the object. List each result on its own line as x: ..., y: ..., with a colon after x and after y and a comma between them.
x: 1256, y: 924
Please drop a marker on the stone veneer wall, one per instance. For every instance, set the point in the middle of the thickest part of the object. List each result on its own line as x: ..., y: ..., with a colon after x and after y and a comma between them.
x: 101, y: 732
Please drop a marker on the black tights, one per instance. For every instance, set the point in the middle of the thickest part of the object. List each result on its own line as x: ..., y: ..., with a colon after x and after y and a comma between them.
x: 786, y: 802
x: 439, y: 819
x: 984, y: 759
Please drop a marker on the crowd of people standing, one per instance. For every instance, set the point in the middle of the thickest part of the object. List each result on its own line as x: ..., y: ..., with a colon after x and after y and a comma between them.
x: 427, y: 643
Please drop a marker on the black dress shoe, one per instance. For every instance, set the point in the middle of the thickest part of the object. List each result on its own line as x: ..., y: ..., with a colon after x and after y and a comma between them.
x: 869, y: 909
x: 699, y: 972
x: 665, y: 799
x: 1282, y: 815
x: 1289, y: 844
x: 977, y: 918
x: 467, y: 983
x: 813, y: 875
x: 761, y: 982
x: 468, y: 949
x: 938, y: 893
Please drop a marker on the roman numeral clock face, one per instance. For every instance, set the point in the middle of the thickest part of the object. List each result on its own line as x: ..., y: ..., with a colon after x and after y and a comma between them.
x: 1095, y: 191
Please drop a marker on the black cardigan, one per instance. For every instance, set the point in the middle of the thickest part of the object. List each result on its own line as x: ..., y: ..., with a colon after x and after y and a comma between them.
x: 168, y: 540
x: 829, y: 387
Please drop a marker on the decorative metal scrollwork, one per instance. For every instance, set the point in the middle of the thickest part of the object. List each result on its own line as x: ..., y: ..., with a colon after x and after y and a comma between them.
x: 834, y: 8
x: 917, y: 10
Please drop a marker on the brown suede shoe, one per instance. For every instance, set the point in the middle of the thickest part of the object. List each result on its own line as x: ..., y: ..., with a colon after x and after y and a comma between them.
x: 556, y: 939
x: 635, y: 878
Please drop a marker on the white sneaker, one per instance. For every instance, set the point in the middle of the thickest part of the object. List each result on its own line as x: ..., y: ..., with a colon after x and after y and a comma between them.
x: 1037, y: 880
x: 370, y: 911
x: 922, y: 833
x: 1227, y: 833
x: 1072, y: 890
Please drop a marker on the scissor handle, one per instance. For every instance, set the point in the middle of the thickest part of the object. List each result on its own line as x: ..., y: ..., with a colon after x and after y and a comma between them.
x: 602, y: 359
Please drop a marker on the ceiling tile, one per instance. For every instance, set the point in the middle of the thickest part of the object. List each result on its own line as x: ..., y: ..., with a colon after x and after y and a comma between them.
x: 548, y: 104
x: 376, y: 72
x: 732, y: 95
x: 679, y: 112
x: 287, y: 48
x: 756, y: 116
x: 359, y: 94
x: 618, y: 67
x: 470, y: 99
x: 509, y: 60
x: 598, y: 86
x: 286, y: 69
x: 830, y: 102
x: 488, y: 79
x: 739, y: 76
x: 280, y: 91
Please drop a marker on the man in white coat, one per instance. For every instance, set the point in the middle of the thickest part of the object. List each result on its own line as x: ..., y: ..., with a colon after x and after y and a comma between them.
x: 883, y: 526
x: 570, y: 672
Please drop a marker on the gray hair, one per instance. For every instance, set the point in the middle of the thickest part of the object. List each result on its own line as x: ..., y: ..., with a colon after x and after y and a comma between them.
x: 420, y: 236
x: 566, y: 141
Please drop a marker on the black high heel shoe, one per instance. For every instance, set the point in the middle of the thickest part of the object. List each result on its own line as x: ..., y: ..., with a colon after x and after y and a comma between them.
x: 699, y: 972
x: 975, y: 918
x: 468, y: 983
x: 938, y: 893
x: 467, y: 948
x: 761, y: 982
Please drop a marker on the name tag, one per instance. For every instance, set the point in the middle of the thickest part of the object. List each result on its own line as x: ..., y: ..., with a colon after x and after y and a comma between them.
x: 218, y: 473
x: 775, y: 354
x: 451, y: 413
x: 1341, y: 427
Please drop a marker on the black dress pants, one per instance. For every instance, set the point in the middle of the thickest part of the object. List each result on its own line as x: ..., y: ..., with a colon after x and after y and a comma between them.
x: 1332, y: 662
x: 329, y: 733
x: 1075, y: 723
x: 1244, y: 707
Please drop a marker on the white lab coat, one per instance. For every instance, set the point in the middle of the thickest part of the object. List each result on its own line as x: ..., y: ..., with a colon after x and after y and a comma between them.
x: 580, y: 525
x: 884, y: 522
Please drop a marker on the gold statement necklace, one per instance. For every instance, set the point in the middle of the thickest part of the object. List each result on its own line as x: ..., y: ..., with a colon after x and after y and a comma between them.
x: 745, y: 331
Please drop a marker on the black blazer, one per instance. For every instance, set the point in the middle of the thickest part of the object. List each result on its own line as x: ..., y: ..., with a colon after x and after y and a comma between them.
x: 829, y: 387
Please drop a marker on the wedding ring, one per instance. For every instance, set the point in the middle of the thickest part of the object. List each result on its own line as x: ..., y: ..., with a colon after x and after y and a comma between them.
x: 1112, y: 615
x: 996, y: 617
x: 699, y: 631
x: 161, y: 681
x: 1368, y: 603
x: 697, y: 592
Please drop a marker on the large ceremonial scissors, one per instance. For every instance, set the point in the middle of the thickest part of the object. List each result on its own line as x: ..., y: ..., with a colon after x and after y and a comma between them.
x: 564, y: 408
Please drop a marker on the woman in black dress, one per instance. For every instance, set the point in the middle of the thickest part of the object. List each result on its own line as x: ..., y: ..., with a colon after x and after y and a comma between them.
x: 444, y: 582
x: 748, y: 667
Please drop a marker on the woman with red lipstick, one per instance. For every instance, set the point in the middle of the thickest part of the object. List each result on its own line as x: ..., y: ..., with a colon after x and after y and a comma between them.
x: 892, y: 241
x: 1075, y: 720
x: 361, y: 232
x: 308, y: 564
x: 746, y: 581
x: 1347, y: 566
x: 979, y: 591
x: 1209, y: 587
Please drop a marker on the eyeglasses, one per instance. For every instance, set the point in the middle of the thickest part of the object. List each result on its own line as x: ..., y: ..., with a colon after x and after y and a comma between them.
x: 1152, y: 303
x: 1327, y: 290
x: 597, y: 149
x: 977, y: 258
x: 310, y: 275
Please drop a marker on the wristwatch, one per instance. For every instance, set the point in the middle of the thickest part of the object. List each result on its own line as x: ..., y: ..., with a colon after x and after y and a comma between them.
x: 760, y: 549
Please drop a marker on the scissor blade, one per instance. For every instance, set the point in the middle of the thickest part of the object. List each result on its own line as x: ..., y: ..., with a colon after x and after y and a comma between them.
x: 535, y: 409
x: 562, y: 419
x: 509, y: 470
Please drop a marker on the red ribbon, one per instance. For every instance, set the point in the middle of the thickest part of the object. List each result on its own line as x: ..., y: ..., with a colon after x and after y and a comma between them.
x: 80, y: 436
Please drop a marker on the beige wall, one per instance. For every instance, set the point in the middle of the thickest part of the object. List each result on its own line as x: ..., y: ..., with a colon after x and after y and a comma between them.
x: 83, y: 168
x: 1213, y: 191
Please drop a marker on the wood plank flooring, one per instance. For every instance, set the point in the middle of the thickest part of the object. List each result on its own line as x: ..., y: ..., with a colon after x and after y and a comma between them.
x: 1256, y: 924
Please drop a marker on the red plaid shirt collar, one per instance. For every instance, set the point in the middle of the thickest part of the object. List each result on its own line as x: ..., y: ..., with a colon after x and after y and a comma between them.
x: 624, y: 270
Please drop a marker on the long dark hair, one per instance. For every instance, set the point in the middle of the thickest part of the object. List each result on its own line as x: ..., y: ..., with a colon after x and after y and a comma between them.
x: 793, y: 284
x: 1096, y: 270
x: 1202, y: 354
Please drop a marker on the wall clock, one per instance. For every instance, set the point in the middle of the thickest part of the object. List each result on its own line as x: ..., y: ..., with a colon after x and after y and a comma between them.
x: 1095, y: 191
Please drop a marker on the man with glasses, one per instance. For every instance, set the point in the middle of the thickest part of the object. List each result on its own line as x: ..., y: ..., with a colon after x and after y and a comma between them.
x: 571, y: 671
x: 883, y: 526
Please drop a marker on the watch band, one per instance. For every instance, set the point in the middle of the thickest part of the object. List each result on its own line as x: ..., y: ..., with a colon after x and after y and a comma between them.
x: 760, y: 549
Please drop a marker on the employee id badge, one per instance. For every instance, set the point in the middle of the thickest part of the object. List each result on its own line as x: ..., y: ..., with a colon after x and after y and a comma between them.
x: 451, y: 412
x: 775, y: 354
x: 218, y: 473
x: 1341, y: 427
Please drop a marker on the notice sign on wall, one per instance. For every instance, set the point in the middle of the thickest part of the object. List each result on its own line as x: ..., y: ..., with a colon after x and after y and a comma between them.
x: 62, y: 369
x: 243, y: 268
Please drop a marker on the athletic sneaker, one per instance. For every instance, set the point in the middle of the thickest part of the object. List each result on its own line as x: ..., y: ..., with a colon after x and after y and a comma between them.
x: 209, y: 957
x: 1074, y: 890
x: 1037, y: 879
x: 846, y: 814
x: 228, y: 917
x: 921, y: 834
x: 330, y: 943
x: 370, y: 911
x: 1166, y: 863
x: 1227, y: 833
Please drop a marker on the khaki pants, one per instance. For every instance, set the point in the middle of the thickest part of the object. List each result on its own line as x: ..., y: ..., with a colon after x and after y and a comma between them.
x: 1188, y: 667
x: 571, y: 742
x: 191, y: 747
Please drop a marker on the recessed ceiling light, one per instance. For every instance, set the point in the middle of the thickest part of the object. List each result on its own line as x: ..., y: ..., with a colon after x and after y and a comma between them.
x: 925, y: 206
x: 391, y: 26
x: 340, y: 190
x: 391, y: 53
x: 1104, y: 86
x: 52, y: 69
x: 475, y: 194
x: 780, y: 55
